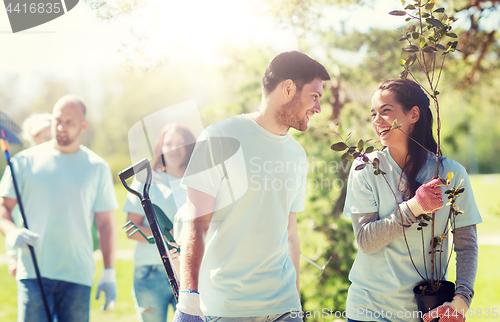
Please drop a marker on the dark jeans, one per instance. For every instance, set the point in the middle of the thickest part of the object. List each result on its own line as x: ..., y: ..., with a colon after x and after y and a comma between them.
x: 70, y: 302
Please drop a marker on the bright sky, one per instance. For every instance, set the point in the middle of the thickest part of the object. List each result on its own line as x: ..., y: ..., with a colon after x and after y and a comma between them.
x: 78, y: 45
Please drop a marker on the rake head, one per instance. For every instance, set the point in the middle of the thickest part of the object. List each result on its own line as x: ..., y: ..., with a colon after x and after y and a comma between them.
x: 11, y: 129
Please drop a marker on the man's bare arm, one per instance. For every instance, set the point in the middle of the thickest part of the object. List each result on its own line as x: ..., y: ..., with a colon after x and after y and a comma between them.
x: 196, y: 218
x: 6, y: 221
x: 106, y: 228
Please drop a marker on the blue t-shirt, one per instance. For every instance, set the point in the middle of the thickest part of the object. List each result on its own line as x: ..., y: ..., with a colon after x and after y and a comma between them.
x: 384, y: 280
x: 257, y: 179
x: 60, y: 194
x: 164, y: 197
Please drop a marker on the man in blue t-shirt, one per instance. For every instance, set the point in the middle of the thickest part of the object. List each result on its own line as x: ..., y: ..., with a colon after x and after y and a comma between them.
x: 62, y: 184
x: 245, y: 182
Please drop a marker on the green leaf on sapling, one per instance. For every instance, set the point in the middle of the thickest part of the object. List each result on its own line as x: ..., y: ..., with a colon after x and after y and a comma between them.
x: 360, y: 167
x: 422, y: 42
x: 429, y: 49
x: 429, y: 5
x: 411, y: 59
x: 410, y: 49
x: 361, y: 145
x: 339, y: 146
x: 349, y: 135
x: 434, y: 22
x: 397, y: 13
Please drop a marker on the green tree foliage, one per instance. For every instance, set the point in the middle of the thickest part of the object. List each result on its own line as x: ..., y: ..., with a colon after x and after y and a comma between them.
x: 129, y: 97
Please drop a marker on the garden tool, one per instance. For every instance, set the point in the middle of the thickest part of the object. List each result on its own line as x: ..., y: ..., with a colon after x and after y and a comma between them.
x: 10, y: 132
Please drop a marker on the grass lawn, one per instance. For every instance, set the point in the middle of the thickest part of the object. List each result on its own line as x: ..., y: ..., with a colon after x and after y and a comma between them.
x: 487, y: 288
x: 487, y: 282
x: 486, y: 188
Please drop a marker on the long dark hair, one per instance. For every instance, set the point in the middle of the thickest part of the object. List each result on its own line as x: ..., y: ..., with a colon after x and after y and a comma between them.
x: 409, y: 94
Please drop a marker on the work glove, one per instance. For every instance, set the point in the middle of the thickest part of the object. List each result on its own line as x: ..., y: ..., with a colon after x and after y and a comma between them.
x: 21, y: 238
x: 453, y: 311
x: 428, y: 198
x: 107, y: 284
x: 188, y: 308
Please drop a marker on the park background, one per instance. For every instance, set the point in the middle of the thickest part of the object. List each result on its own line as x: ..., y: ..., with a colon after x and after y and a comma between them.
x: 130, y: 58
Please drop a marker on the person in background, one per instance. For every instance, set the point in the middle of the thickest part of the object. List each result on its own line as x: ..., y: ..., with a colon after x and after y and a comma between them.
x: 62, y: 185
x: 36, y: 130
x: 151, y: 291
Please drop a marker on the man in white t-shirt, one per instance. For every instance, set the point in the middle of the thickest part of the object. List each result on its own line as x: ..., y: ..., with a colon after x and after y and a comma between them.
x: 61, y: 184
x: 245, y: 182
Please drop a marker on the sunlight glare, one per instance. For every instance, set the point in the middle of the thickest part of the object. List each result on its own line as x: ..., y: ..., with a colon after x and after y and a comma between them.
x: 200, y: 26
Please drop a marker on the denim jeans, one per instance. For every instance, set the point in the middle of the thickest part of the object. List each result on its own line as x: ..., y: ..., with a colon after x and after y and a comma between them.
x: 284, y: 317
x: 68, y: 302
x: 152, y: 293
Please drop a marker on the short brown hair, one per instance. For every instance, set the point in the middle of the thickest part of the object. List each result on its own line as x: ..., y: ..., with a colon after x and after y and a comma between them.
x: 298, y: 67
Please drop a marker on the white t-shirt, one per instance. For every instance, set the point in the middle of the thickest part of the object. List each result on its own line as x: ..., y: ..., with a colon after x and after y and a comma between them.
x: 257, y: 178
x: 60, y: 194
x: 384, y: 280
x: 164, y: 197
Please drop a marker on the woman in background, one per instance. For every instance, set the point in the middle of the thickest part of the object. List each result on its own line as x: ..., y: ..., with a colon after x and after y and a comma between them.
x: 36, y: 129
x: 151, y: 291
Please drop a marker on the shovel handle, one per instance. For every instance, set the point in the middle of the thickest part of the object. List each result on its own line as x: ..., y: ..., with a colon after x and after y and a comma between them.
x: 133, y: 170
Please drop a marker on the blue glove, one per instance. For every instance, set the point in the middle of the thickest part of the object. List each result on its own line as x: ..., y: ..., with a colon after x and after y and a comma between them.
x: 188, y: 308
x: 107, y: 284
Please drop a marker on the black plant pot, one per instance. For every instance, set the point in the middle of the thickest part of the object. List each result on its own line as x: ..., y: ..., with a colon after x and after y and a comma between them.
x: 429, y: 301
